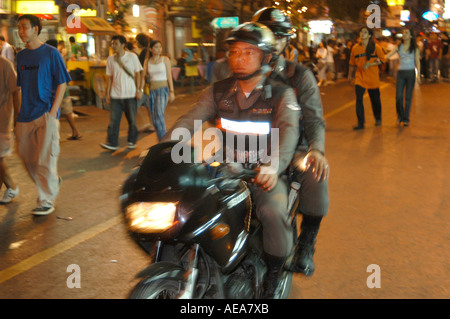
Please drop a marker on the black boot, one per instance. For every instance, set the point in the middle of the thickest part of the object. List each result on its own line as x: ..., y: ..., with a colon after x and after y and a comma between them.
x: 304, y: 252
x: 273, y: 276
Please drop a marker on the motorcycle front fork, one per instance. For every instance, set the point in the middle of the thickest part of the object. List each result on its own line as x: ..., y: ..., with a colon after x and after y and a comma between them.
x: 191, y: 274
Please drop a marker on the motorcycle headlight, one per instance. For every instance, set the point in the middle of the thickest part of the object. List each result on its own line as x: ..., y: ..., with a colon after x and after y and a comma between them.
x: 151, y: 217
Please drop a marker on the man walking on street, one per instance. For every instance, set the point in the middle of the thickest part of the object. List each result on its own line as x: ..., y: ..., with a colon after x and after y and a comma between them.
x: 43, y: 78
x: 9, y: 96
x: 123, y: 91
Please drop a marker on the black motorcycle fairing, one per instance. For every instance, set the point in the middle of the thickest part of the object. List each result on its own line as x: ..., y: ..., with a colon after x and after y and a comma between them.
x: 162, y: 270
x: 227, y: 263
x: 230, y: 210
x: 202, y: 205
x: 159, y: 179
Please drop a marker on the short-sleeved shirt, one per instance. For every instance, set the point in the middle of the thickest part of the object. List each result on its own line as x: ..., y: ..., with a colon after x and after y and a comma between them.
x: 39, y: 72
x: 370, y: 78
x: 8, y: 85
x: 435, y: 46
x: 123, y: 85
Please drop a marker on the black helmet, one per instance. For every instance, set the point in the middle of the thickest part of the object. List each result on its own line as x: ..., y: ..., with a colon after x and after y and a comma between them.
x: 254, y: 33
x: 278, y: 22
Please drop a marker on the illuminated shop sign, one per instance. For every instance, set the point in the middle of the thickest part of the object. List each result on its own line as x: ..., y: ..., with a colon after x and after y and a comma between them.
x: 36, y: 7
x: 430, y: 16
x: 393, y: 3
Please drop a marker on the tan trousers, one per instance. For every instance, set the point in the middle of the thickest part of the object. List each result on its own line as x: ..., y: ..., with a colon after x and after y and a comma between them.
x: 271, y: 209
x: 38, y: 145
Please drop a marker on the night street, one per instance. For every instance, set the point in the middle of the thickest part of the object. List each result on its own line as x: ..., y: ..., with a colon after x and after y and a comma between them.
x: 389, y: 206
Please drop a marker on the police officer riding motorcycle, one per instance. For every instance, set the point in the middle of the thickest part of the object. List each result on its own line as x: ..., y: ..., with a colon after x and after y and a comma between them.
x: 248, y: 96
x: 248, y: 103
x: 309, y: 159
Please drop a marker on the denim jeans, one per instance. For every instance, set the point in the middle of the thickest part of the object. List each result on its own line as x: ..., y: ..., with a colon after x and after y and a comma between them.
x: 375, y: 100
x: 158, y: 103
x: 405, y: 80
x: 129, y: 107
x: 444, y: 67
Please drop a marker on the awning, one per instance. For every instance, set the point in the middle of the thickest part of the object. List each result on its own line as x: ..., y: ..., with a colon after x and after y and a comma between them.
x: 95, y: 25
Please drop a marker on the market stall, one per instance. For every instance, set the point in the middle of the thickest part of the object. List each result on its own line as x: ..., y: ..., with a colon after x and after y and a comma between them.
x: 97, y: 31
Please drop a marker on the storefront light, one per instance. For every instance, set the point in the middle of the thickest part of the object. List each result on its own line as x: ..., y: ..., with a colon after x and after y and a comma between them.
x: 135, y: 10
x: 404, y: 15
x: 81, y: 38
x: 320, y: 26
x: 85, y: 13
x: 446, y: 14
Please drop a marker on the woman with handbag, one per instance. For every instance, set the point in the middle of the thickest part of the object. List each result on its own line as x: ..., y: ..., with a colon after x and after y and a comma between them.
x: 159, y: 69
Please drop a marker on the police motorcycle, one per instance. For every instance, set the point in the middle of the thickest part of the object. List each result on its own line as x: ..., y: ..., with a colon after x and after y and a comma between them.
x: 197, y: 222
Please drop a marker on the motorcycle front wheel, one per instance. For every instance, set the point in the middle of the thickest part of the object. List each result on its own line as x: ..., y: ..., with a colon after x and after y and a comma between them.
x: 285, y: 284
x: 158, y: 289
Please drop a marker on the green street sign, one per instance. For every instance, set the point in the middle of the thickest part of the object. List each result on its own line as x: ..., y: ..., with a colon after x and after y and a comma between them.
x: 225, y: 22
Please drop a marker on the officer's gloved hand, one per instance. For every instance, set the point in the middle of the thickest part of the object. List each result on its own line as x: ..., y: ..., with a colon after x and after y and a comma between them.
x: 267, y: 178
x: 315, y: 161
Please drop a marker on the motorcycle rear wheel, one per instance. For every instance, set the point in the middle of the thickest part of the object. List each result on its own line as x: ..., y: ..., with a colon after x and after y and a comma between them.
x: 158, y: 289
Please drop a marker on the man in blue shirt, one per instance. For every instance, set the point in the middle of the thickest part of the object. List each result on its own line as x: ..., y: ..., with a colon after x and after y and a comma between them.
x: 42, y: 76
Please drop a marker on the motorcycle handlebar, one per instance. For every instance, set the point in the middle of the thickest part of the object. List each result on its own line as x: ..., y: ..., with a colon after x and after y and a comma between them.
x: 238, y: 171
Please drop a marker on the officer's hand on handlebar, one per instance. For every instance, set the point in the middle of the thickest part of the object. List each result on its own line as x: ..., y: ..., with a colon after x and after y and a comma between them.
x: 266, y: 178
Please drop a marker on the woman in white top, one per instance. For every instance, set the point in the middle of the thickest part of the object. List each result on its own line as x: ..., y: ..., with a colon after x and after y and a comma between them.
x: 158, y: 67
x: 409, y: 55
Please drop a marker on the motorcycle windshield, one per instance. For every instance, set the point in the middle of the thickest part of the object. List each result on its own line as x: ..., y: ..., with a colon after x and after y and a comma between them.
x: 162, y: 172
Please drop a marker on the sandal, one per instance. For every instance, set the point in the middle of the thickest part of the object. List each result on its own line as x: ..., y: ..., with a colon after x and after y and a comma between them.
x: 74, y: 138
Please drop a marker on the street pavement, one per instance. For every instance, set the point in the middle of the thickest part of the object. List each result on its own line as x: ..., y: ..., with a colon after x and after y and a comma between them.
x: 386, y: 234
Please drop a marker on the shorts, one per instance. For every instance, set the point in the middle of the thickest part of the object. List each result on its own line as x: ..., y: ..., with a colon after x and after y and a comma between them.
x: 66, y: 106
x: 6, y: 144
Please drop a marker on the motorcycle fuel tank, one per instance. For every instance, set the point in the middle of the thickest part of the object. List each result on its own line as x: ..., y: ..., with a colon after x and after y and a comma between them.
x: 219, y: 223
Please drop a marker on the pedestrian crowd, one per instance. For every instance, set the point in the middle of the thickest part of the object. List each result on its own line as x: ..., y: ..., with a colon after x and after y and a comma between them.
x: 332, y: 56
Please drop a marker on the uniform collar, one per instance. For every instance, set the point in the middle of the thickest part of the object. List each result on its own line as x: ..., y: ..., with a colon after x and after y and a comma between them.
x: 234, y: 88
x: 242, y: 101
